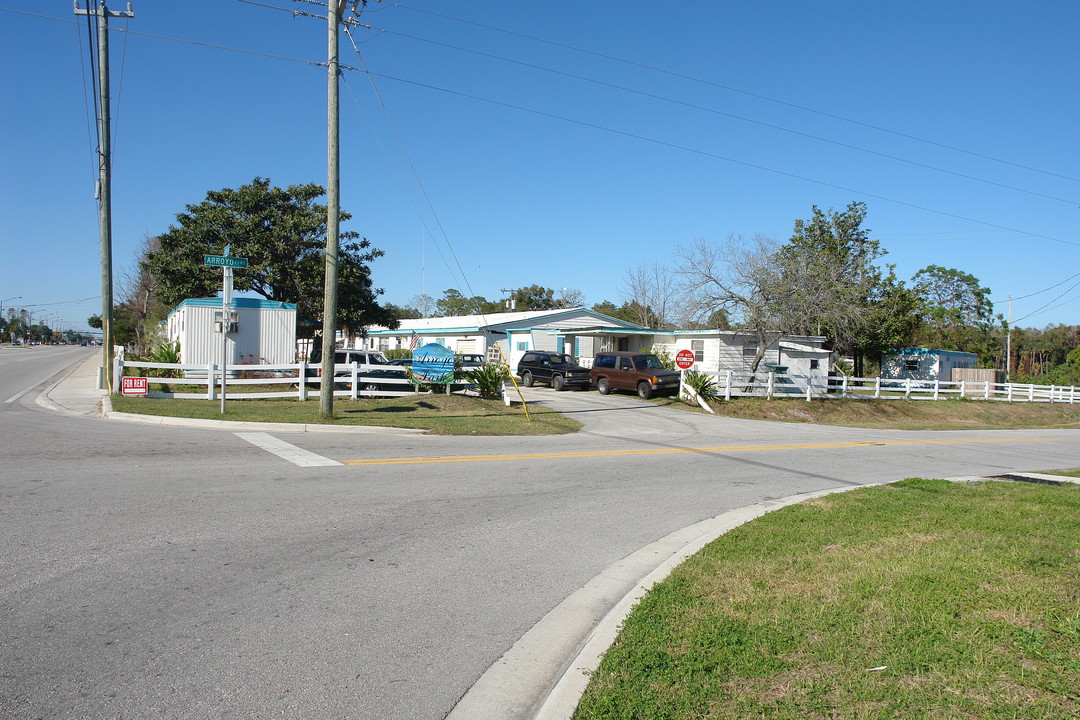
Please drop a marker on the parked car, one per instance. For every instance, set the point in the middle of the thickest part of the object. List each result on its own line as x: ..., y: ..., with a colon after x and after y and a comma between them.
x: 471, y: 361
x: 555, y: 369
x: 368, y: 378
x: 639, y: 372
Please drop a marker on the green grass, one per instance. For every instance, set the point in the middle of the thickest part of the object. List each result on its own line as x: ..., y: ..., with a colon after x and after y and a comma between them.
x: 436, y: 413
x: 954, y: 414
x: 967, y: 597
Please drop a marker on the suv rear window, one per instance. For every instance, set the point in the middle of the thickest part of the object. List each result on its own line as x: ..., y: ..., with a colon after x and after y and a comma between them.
x: 604, y: 361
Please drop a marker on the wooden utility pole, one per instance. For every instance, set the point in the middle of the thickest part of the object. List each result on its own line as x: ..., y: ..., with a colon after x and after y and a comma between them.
x: 334, y: 9
x: 104, y: 192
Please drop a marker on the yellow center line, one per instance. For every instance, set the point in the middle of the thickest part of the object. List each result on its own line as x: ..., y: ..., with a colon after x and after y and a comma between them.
x: 671, y: 451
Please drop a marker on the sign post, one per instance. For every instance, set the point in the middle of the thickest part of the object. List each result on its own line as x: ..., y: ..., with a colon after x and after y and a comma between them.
x: 226, y: 263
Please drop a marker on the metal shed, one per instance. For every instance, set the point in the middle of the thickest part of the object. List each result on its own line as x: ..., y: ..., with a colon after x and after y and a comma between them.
x: 264, y: 331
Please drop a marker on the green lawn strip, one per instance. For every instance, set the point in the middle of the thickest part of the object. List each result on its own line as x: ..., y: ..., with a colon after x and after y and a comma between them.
x: 954, y: 414
x: 436, y: 413
x: 1074, y: 472
x: 967, y: 595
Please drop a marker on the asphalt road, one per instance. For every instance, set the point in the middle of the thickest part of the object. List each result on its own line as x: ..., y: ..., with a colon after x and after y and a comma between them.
x: 189, y: 572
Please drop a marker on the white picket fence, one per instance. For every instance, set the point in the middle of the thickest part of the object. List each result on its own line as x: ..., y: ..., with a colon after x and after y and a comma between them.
x: 361, y: 380
x: 781, y: 385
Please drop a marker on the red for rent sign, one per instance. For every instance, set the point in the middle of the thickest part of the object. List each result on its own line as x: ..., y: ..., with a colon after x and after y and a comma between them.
x: 134, y: 386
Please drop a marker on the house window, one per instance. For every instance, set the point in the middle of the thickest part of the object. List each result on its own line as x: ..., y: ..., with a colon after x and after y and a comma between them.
x: 440, y: 341
x: 813, y: 364
x: 911, y: 364
x: 749, y: 350
x: 523, y: 345
x: 698, y: 346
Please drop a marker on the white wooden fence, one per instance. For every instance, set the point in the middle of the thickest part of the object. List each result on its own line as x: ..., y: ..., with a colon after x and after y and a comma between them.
x: 351, y: 381
x: 781, y: 385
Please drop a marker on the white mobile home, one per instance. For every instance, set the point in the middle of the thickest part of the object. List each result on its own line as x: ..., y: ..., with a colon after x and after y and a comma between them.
x: 924, y: 364
x: 265, y: 331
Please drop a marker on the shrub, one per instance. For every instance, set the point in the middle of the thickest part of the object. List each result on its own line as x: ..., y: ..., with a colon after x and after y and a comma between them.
x: 164, y: 353
x: 488, y: 379
x: 398, y: 353
x: 701, y: 383
x: 663, y: 354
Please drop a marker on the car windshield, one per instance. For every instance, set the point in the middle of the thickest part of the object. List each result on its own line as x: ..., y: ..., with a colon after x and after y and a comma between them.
x: 562, y: 359
x: 647, y: 362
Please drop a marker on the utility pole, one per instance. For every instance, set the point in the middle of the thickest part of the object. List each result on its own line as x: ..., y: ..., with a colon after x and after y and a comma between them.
x: 1008, y: 345
x: 105, y: 184
x: 334, y: 10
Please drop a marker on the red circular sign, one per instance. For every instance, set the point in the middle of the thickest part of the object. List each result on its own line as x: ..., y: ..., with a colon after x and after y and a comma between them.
x: 685, y: 359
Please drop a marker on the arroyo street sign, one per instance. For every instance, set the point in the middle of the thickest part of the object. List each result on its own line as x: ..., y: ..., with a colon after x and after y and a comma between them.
x: 223, y: 261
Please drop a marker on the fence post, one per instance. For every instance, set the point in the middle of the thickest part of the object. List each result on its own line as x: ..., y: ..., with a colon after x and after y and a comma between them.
x: 962, y: 388
x: 770, y: 384
x: 210, y: 386
x: 986, y: 394
x: 843, y: 388
x: 809, y: 386
x: 302, y: 377
x: 1031, y: 392
x: 1051, y: 394
x: 907, y: 390
x: 355, y: 369
x: 877, y: 388
x: 727, y: 390
x: 937, y: 386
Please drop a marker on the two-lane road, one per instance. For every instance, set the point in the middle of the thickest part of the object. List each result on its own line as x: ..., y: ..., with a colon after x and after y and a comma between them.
x: 189, y: 572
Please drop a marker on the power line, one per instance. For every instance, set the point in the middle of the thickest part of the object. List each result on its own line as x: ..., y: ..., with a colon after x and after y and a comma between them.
x: 720, y: 86
x: 716, y: 156
x: 714, y: 111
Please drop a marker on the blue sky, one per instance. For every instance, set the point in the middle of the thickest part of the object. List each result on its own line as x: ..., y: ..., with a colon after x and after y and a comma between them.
x: 620, y: 130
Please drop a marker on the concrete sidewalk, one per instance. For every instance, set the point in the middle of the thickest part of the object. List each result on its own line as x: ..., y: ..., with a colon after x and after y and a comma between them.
x: 74, y: 391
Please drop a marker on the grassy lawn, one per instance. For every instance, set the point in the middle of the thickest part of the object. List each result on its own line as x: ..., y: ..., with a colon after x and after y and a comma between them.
x: 441, y: 414
x: 899, y: 414
x: 921, y: 599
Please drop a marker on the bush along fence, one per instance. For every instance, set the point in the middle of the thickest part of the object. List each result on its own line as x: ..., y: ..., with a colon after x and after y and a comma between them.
x: 251, y: 382
x: 729, y: 384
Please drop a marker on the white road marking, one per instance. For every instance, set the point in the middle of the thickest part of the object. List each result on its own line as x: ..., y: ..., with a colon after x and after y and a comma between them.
x: 286, y: 451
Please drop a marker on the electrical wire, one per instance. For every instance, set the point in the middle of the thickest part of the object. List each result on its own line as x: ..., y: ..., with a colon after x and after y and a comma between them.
x: 91, y: 146
x: 1047, y: 305
x: 728, y: 88
x: 714, y: 111
x: 715, y: 156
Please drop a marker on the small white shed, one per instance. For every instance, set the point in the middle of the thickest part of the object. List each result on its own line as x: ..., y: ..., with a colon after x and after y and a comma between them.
x: 265, y: 331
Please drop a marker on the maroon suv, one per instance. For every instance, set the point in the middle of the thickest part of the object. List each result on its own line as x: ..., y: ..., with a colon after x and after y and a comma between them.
x: 639, y: 372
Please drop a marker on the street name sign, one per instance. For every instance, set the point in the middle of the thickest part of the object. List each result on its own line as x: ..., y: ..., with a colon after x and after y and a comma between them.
x: 224, y: 261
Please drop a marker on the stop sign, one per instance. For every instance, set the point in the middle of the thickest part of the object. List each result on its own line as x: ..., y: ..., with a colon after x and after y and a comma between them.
x: 685, y: 359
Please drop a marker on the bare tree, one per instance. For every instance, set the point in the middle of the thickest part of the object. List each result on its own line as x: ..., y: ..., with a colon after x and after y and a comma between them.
x: 650, y: 291
x: 569, y: 298
x: 140, y: 311
x: 737, y: 276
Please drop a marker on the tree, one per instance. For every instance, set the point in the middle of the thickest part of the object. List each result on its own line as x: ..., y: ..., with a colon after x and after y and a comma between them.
x: 619, y: 312
x: 570, y: 298
x: 282, y: 234
x: 956, y: 312
x: 423, y: 304
x: 738, y: 277
x: 651, y: 289
x: 453, y: 304
x: 533, y: 297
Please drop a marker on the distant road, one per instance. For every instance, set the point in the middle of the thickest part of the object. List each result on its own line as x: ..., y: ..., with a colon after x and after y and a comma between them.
x: 171, y: 572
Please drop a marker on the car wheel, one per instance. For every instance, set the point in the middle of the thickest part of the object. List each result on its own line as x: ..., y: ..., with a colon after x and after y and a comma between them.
x: 644, y: 390
x: 369, y: 389
x: 527, y: 379
x: 603, y: 387
x: 557, y: 382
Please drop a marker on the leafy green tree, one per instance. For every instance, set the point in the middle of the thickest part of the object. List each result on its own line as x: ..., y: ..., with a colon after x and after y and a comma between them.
x: 534, y: 297
x: 453, y: 304
x: 829, y: 280
x: 94, y: 321
x: 282, y: 233
x: 956, y: 312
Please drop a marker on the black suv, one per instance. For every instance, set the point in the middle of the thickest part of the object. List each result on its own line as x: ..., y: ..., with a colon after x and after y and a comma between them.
x: 640, y: 371
x: 554, y: 368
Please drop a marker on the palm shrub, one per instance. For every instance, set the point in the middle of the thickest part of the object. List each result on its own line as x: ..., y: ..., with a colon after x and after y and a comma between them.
x: 164, y: 353
x: 488, y: 379
x: 703, y: 384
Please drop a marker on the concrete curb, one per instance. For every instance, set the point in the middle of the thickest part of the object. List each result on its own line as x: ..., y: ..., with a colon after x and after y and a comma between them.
x: 577, y: 629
